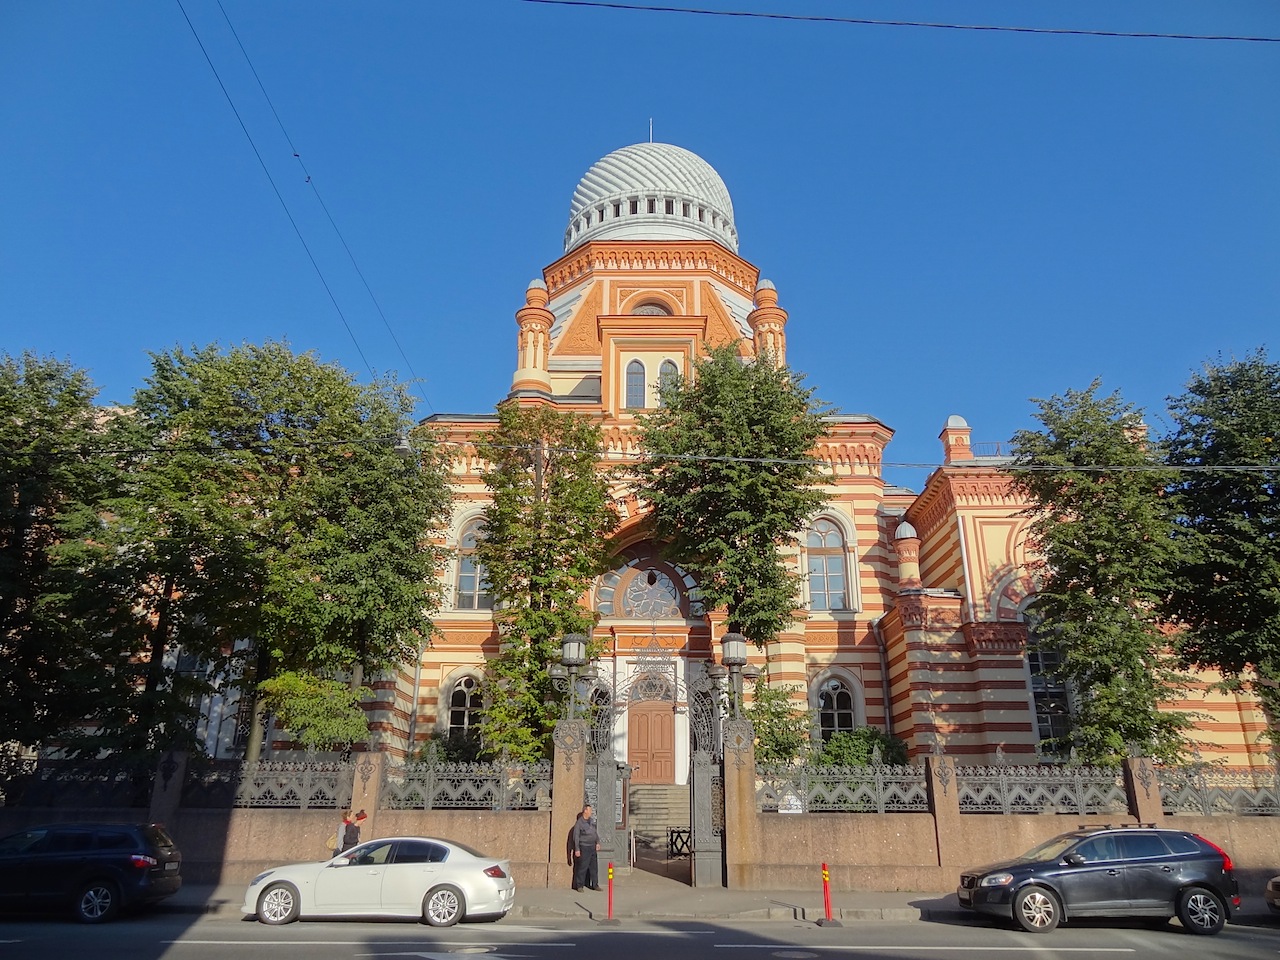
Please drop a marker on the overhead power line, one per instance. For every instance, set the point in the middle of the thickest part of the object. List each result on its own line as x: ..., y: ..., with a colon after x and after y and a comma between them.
x: 323, y: 206
x: 862, y: 21
x: 270, y: 179
x: 1002, y: 464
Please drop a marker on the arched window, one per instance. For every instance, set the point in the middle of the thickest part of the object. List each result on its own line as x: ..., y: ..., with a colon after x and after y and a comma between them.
x: 1050, y: 693
x: 668, y: 374
x: 836, y: 713
x: 465, y: 707
x: 635, y: 385
x: 473, y: 589
x: 827, y: 581
x: 651, y: 595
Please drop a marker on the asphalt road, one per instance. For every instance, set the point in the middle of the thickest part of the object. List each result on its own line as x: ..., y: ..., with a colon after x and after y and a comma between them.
x: 203, y: 938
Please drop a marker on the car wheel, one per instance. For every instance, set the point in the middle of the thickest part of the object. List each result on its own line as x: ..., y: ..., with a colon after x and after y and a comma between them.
x: 442, y: 906
x: 1201, y: 911
x: 97, y: 902
x: 1036, y: 910
x: 278, y: 904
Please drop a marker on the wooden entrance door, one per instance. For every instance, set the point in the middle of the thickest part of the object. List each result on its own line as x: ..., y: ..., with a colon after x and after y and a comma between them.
x: 651, y: 742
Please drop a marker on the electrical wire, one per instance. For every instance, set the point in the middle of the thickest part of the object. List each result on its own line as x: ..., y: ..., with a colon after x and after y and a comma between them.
x: 859, y: 21
x: 1000, y: 464
x: 323, y: 206
x: 276, y: 189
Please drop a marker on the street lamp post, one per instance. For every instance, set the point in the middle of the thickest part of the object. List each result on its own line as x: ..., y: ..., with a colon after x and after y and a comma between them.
x: 573, y: 656
x: 733, y: 655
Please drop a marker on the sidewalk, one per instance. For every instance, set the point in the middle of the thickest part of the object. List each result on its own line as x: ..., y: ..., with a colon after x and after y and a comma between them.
x: 645, y: 896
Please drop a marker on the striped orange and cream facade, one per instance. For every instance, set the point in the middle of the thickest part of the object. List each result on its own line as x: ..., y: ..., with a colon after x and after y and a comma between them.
x: 911, y: 617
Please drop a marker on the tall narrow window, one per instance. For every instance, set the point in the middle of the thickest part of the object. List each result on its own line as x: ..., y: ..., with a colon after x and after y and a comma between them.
x: 1051, y: 696
x: 668, y: 374
x: 465, y: 706
x: 635, y: 385
x: 835, y: 708
x: 472, y: 589
x: 827, y: 581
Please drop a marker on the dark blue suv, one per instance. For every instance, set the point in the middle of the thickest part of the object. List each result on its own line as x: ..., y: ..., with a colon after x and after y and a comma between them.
x: 97, y: 869
x: 1109, y: 872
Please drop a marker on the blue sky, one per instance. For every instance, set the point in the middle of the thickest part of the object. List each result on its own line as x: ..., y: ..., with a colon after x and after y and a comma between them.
x: 956, y: 221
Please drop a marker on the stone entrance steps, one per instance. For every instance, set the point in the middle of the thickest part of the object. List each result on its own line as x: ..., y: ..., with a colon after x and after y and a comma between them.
x: 655, y: 807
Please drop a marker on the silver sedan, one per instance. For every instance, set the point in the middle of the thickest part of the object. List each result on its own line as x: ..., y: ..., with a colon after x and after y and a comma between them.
x: 438, y: 881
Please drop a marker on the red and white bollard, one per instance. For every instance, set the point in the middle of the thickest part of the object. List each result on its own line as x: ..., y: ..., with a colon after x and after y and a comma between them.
x: 827, y: 920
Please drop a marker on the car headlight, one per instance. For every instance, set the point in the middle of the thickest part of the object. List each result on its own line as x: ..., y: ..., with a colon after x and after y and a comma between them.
x: 260, y: 877
x: 997, y: 880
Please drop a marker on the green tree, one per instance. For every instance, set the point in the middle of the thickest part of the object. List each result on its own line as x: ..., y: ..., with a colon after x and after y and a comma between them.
x: 267, y: 524
x: 781, y: 726
x: 51, y: 479
x: 1101, y: 525
x: 320, y: 714
x: 545, y: 540
x: 1227, y: 592
x: 729, y: 471
x: 857, y: 748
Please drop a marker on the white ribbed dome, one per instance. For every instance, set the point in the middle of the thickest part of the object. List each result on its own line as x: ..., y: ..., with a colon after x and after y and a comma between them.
x: 651, y: 191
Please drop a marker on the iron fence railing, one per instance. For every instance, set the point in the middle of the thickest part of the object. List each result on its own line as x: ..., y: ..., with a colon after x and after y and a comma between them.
x: 302, y: 785
x: 1205, y: 789
x: 436, y: 785
x: 107, y: 782
x: 877, y: 788
x: 1043, y: 788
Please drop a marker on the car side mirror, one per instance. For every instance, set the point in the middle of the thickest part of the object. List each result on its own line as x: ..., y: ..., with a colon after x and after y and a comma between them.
x: 340, y: 862
x: 1074, y: 860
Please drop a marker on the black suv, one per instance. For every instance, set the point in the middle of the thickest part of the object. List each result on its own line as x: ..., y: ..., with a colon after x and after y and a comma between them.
x: 97, y: 868
x: 1109, y: 872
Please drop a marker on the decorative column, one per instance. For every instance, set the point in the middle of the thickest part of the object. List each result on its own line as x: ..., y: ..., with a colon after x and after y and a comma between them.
x: 944, y: 804
x: 1144, y: 790
x: 741, y: 820
x: 767, y: 321
x: 906, y: 543
x: 569, y: 780
x: 166, y: 788
x: 535, y: 322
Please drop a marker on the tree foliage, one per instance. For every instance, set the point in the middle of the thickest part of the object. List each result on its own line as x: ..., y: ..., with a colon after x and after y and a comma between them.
x: 1227, y: 592
x: 545, y: 539
x: 781, y: 725
x: 1101, y: 524
x: 857, y: 748
x: 264, y: 523
x: 51, y: 479
x: 320, y: 714
x: 729, y: 472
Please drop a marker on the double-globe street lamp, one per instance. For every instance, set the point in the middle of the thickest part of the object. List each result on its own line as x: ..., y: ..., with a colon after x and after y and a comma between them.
x: 567, y: 673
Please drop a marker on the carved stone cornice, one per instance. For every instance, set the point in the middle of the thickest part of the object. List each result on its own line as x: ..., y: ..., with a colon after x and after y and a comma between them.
x: 631, y: 256
x: 1002, y: 638
x: 931, y: 510
x: 989, y: 490
x: 929, y: 611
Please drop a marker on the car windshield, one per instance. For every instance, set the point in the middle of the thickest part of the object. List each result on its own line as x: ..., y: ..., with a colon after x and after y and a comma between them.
x: 1052, y: 849
x: 21, y: 842
x: 471, y: 850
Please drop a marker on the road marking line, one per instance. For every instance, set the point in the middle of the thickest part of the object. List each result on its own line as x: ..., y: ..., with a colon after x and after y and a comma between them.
x: 355, y: 943
x: 864, y: 947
